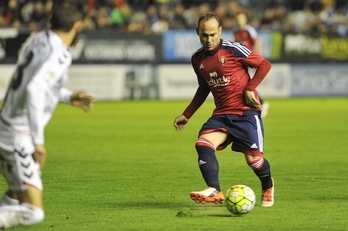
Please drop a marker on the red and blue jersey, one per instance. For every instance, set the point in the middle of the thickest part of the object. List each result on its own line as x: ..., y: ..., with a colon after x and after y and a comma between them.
x: 223, y: 72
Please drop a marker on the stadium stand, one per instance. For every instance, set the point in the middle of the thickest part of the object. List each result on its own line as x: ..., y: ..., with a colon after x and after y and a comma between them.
x: 157, y: 16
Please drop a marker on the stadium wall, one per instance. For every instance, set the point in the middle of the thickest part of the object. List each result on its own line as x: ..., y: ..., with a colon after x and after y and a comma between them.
x: 177, y: 46
x: 117, y: 66
x: 178, y: 81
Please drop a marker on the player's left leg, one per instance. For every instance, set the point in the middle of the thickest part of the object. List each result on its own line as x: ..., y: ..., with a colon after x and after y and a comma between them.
x: 262, y: 170
x: 248, y: 133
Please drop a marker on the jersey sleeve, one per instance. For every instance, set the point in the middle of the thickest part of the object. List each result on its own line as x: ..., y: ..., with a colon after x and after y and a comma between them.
x: 199, y: 97
x: 42, y: 96
x: 36, y: 93
x: 260, y: 74
x: 253, y: 60
x: 64, y: 95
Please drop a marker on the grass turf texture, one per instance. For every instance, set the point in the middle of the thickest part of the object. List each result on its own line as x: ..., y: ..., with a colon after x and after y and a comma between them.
x: 124, y: 167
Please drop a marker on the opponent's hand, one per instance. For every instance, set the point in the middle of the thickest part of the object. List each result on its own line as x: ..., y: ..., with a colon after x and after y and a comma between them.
x: 251, y: 100
x: 82, y: 100
x: 40, y: 155
x: 179, y: 122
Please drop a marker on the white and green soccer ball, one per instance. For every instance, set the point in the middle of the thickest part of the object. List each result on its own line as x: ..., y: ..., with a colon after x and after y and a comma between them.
x: 240, y: 199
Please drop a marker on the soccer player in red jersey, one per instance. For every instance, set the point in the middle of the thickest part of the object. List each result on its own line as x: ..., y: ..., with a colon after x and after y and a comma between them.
x: 246, y: 34
x: 221, y: 69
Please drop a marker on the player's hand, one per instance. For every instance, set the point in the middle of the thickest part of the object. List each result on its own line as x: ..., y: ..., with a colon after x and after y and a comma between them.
x: 251, y: 100
x: 40, y: 155
x: 82, y: 100
x: 180, y: 122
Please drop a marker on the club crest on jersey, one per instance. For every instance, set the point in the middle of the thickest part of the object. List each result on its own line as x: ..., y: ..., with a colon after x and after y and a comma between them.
x: 222, y: 60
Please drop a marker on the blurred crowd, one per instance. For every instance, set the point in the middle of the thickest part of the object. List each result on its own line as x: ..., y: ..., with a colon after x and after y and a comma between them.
x: 158, y: 16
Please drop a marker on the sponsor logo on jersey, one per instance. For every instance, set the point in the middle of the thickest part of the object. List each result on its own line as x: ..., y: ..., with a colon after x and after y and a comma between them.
x: 213, y: 74
x: 216, y: 81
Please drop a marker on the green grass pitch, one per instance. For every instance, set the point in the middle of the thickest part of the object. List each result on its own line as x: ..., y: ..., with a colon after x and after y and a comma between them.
x: 124, y: 167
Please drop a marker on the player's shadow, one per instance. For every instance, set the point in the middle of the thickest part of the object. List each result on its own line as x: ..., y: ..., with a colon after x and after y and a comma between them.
x: 224, y: 215
x: 173, y: 205
x: 147, y: 204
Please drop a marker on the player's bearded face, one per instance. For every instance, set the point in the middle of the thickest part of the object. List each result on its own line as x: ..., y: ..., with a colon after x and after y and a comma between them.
x: 209, y: 34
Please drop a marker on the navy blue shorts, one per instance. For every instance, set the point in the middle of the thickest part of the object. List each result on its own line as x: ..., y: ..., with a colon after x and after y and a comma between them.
x: 244, y: 132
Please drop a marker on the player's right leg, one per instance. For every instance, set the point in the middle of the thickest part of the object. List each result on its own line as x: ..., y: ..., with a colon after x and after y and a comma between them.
x: 22, y: 214
x: 209, y: 167
x: 209, y: 195
x: 23, y: 176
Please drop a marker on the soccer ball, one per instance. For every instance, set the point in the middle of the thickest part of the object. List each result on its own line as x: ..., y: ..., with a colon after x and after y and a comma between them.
x: 240, y: 199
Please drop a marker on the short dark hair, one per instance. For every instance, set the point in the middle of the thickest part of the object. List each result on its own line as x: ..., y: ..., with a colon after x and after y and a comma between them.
x: 206, y: 17
x: 65, y: 13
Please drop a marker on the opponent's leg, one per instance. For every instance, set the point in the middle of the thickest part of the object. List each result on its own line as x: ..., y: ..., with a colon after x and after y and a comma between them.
x: 24, y: 179
x: 22, y: 214
x: 29, y: 211
x: 9, y: 199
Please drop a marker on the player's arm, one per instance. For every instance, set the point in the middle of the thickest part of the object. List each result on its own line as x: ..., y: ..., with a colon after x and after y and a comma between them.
x: 180, y: 122
x: 249, y: 92
x: 36, y: 106
x: 79, y: 99
x: 40, y: 154
x: 198, y: 99
x: 262, y: 70
x: 83, y: 100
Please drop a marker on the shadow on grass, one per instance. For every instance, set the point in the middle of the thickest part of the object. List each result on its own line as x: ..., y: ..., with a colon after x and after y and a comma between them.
x: 184, y: 209
x: 146, y: 204
x: 224, y: 215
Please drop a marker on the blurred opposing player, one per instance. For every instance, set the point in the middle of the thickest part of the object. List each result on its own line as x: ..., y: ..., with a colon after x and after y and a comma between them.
x: 35, y: 90
x: 220, y: 69
x: 247, y: 35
